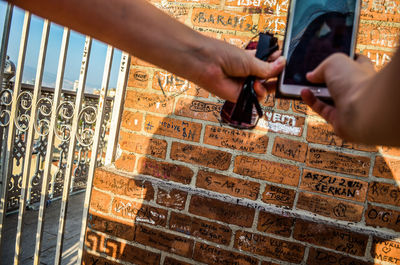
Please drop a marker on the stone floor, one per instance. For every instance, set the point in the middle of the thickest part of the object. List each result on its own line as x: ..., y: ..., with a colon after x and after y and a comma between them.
x: 71, y: 235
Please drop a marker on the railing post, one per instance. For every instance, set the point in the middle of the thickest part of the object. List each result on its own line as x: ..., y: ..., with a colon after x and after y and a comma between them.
x: 71, y: 150
x: 29, y: 140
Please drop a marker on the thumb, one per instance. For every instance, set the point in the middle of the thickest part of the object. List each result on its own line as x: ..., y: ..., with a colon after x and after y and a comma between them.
x: 318, y: 74
x: 265, y: 70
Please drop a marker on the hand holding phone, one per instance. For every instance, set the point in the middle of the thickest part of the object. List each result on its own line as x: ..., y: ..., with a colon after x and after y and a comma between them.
x: 315, y: 30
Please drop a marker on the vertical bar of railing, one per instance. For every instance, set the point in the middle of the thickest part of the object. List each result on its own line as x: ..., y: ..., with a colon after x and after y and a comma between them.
x: 50, y: 142
x: 71, y: 150
x: 95, y: 145
x: 8, y: 159
x: 3, y: 131
x: 118, y: 104
x: 30, y: 139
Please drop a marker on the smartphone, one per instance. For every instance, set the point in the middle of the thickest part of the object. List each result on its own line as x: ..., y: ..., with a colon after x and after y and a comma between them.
x: 315, y: 30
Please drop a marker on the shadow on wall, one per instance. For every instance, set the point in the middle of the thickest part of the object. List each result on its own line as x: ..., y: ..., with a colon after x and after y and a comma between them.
x: 141, y: 222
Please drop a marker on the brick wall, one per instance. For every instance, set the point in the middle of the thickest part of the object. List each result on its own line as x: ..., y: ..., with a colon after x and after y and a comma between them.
x: 187, y: 190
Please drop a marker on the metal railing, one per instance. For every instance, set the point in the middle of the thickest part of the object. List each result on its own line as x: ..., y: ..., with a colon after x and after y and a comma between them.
x: 51, y: 140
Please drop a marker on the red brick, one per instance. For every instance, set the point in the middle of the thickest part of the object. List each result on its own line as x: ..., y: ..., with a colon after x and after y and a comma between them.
x: 138, y: 78
x: 198, y: 109
x: 323, y: 133
x: 386, y: 167
x: 180, y: 13
x: 164, y: 241
x: 149, y: 102
x: 170, y: 83
x: 222, y: 211
x: 381, y: 217
x: 210, y: 2
x: 269, y: 100
x: 175, y: 199
x: 269, y: 247
x: 172, y: 261
x: 138, y: 62
x: 100, y: 201
x: 283, y: 104
x: 164, y: 170
x: 139, y: 212
x: 331, y: 237
x: 200, y: 155
x: 236, y: 139
x: 132, y: 254
x: 281, y: 123
x: 111, y: 226
x: 329, y: 207
x: 93, y: 241
x: 319, y: 256
x: 381, y: 10
x: 140, y: 144
x: 231, y: 20
x: 379, y: 58
x: 290, y: 149
x: 279, y: 196
x: 385, y: 250
x: 393, y: 151
x: 196, y: 227
x: 298, y: 106
x: 269, y: 263
x: 90, y: 259
x: 275, y: 224
x: 336, y: 186
x: 216, y: 256
x: 126, y: 162
x: 132, y: 120
x: 228, y: 185
x: 267, y: 170
x: 184, y: 130
x: 378, y: 35
x: 122, y: 185
x: 338, y: 162
x: 384, y: 193
x: 276, y: 24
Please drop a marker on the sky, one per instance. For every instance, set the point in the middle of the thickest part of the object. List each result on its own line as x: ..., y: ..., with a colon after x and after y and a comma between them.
x: 74, y: 54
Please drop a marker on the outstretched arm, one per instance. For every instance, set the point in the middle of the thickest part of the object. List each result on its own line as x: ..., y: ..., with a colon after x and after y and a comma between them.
x: 139, y: 28
x: 367, y: 104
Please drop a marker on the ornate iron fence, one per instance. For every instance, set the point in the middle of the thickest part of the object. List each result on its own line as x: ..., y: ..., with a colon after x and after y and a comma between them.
x: 51, y: 140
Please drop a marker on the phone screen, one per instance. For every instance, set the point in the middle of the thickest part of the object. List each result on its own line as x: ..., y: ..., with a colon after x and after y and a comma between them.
x: 319, y: 28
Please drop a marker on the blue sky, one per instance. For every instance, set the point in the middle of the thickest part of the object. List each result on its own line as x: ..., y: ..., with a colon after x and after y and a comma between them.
x: 74, y: 55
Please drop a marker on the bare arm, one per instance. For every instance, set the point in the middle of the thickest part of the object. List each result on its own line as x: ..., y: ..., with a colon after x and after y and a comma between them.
x: 367, y: 103
x: 139, y: 28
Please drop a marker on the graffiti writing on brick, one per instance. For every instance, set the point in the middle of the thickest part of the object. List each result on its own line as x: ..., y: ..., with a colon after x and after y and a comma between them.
x: 279, y: 195
x: 333, y: 185
x: 384, y: 193
x: 282, y: 123
x: 379, y: 216
x: 338, y: 162
x: 275, y: 224
x: 216, y: 256
x: 386, y: 250
x: 270, y: 247
x: 318, y: 257
x: 236, y: 139
x: 224, y: 184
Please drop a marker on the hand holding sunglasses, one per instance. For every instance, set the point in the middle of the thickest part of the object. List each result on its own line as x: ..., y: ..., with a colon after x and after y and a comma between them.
x: 247, y: 111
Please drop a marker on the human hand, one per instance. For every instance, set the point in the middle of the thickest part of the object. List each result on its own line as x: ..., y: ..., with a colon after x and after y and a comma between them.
x: 225, y: 76
x: 347, y: 81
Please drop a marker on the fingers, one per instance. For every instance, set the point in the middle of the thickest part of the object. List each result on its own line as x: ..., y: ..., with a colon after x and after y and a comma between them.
x: 364, y: 60
x: 326, y: 111
x: 263, y: 88
x: 265, y: 70
x: 332, y: 63
x: 274, y: 56
x: 318, y: 74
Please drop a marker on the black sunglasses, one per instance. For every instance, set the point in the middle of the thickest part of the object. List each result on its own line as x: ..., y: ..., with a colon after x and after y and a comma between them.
x: 247, y: 111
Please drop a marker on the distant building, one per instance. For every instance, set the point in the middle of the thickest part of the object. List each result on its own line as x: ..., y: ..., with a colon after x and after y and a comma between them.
x: 112, y: 92
x: 76, y: 84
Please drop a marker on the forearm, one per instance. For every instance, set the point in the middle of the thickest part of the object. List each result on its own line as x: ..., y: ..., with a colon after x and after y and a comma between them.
x: 134, y: 26
x: 379, y: 103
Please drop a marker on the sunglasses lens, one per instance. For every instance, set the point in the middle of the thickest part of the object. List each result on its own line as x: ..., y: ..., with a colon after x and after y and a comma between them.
x: 243, y: 121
